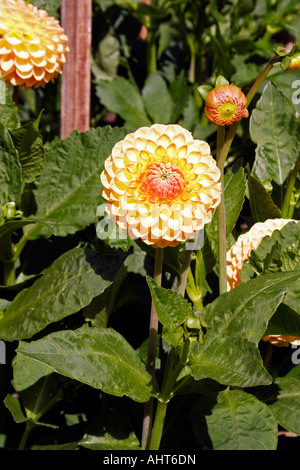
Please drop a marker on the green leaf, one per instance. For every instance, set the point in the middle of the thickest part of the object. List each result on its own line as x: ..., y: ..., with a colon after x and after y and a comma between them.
x: 246, y: 310
x: 69, y: 188
x: 122, y: 98
x: 261, y: 203
x: 285, y: 402
x: 238, y: 421
x: 106, y: 61
x: 13, y: 404
x: 172, y: 310
x: 51, y: 6
x: 293, y: 295
x: 237, y: 321
x: 10, y: 170
x: 108, y: 442
x: 275, y: 253
x: 233, y: 361
x: 8, y: 110
x: 12, y: 225
x: 37, y: 385
x: 99, y: 357
x: 274, y: 127
x: 29, y: 144
x: 157, y: 99
x: 68, y: 285
x: 285, y: 321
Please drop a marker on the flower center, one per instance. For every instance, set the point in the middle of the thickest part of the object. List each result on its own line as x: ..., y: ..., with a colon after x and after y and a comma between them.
x: 227, y: 110
x: 162, y: 182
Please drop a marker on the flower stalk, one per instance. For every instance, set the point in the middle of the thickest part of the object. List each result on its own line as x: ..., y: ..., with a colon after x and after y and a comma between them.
x: 152, y: 343
x: 221, y: 215
x: 252, y: 92
x: 288, y: 206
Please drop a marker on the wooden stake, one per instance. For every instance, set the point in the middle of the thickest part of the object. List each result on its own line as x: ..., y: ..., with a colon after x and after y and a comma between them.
x: 76, y: 19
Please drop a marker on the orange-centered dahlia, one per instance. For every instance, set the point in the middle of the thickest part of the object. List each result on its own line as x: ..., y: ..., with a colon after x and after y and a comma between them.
x: 225, y: 104
x: 241, y: 250
x: 161, y: 185
x: 32, y: 45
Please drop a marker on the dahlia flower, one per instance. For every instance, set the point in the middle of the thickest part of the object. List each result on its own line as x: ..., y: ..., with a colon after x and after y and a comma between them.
x: 225, y: 104
x: 32, y: 45
x: 161, y: 185
x: 241, y: 250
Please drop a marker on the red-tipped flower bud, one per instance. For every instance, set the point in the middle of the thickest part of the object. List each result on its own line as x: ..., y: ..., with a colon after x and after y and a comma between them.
x: 291, y: 63
x: 225, y: 104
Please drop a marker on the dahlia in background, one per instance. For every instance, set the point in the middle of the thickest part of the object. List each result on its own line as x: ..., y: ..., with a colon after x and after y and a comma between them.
x: 161, y: 185
x: 32, y: 45
x: 241, y: 250
x: 225, y: 104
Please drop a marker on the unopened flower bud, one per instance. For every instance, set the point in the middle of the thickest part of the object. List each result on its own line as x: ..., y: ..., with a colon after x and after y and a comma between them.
x: 225, y: 104
x: 9, y: 211
x: 291, y: 63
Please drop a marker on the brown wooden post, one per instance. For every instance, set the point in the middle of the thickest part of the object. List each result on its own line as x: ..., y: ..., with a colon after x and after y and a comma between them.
x: 76, y: 19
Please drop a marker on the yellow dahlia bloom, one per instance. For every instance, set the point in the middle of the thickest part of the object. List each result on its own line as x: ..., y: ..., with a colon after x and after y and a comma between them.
x: 241, y: 250
x: 161, y: 185
x: 225, y: 104
x: 32, y: 45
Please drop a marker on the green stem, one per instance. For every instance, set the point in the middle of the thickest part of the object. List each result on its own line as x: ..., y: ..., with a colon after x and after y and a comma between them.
x: 8, y: 263
x: 221, y: 216
x: 192, y: 68
x: 223, y: 147
x: 19, y: 247
x: 184, y: 272
x: 253, y: 90
x: 152, y: 342
x: 262, y: 76
x: 151, y: 51
x: 194, y: 292
x: 158, y: 426
x: 170, y: 376
x: 29, y: 426
x: 287, y: 209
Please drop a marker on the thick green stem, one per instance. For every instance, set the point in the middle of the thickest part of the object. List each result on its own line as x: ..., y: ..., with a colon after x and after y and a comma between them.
x: 184, y: 272
x: 287, y: 209
x: 192, y: 68
x: 262, y: 76
x: 170, y: 376
x: 221, y: 218
x: 194, y: 292
x: 29, y: 426
x: 170, y: 373
x: 158, y: 426
x: 152, y: 343
x: 151, y: 51
x: 19, y: 247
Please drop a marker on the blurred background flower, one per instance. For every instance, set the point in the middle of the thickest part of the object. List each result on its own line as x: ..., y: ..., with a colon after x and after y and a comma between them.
x: 32, y: 45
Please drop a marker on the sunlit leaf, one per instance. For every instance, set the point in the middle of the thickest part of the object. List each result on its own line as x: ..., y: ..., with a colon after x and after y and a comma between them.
x: 238, y: 421
x: 274, y: 127
x: 99, y: 357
